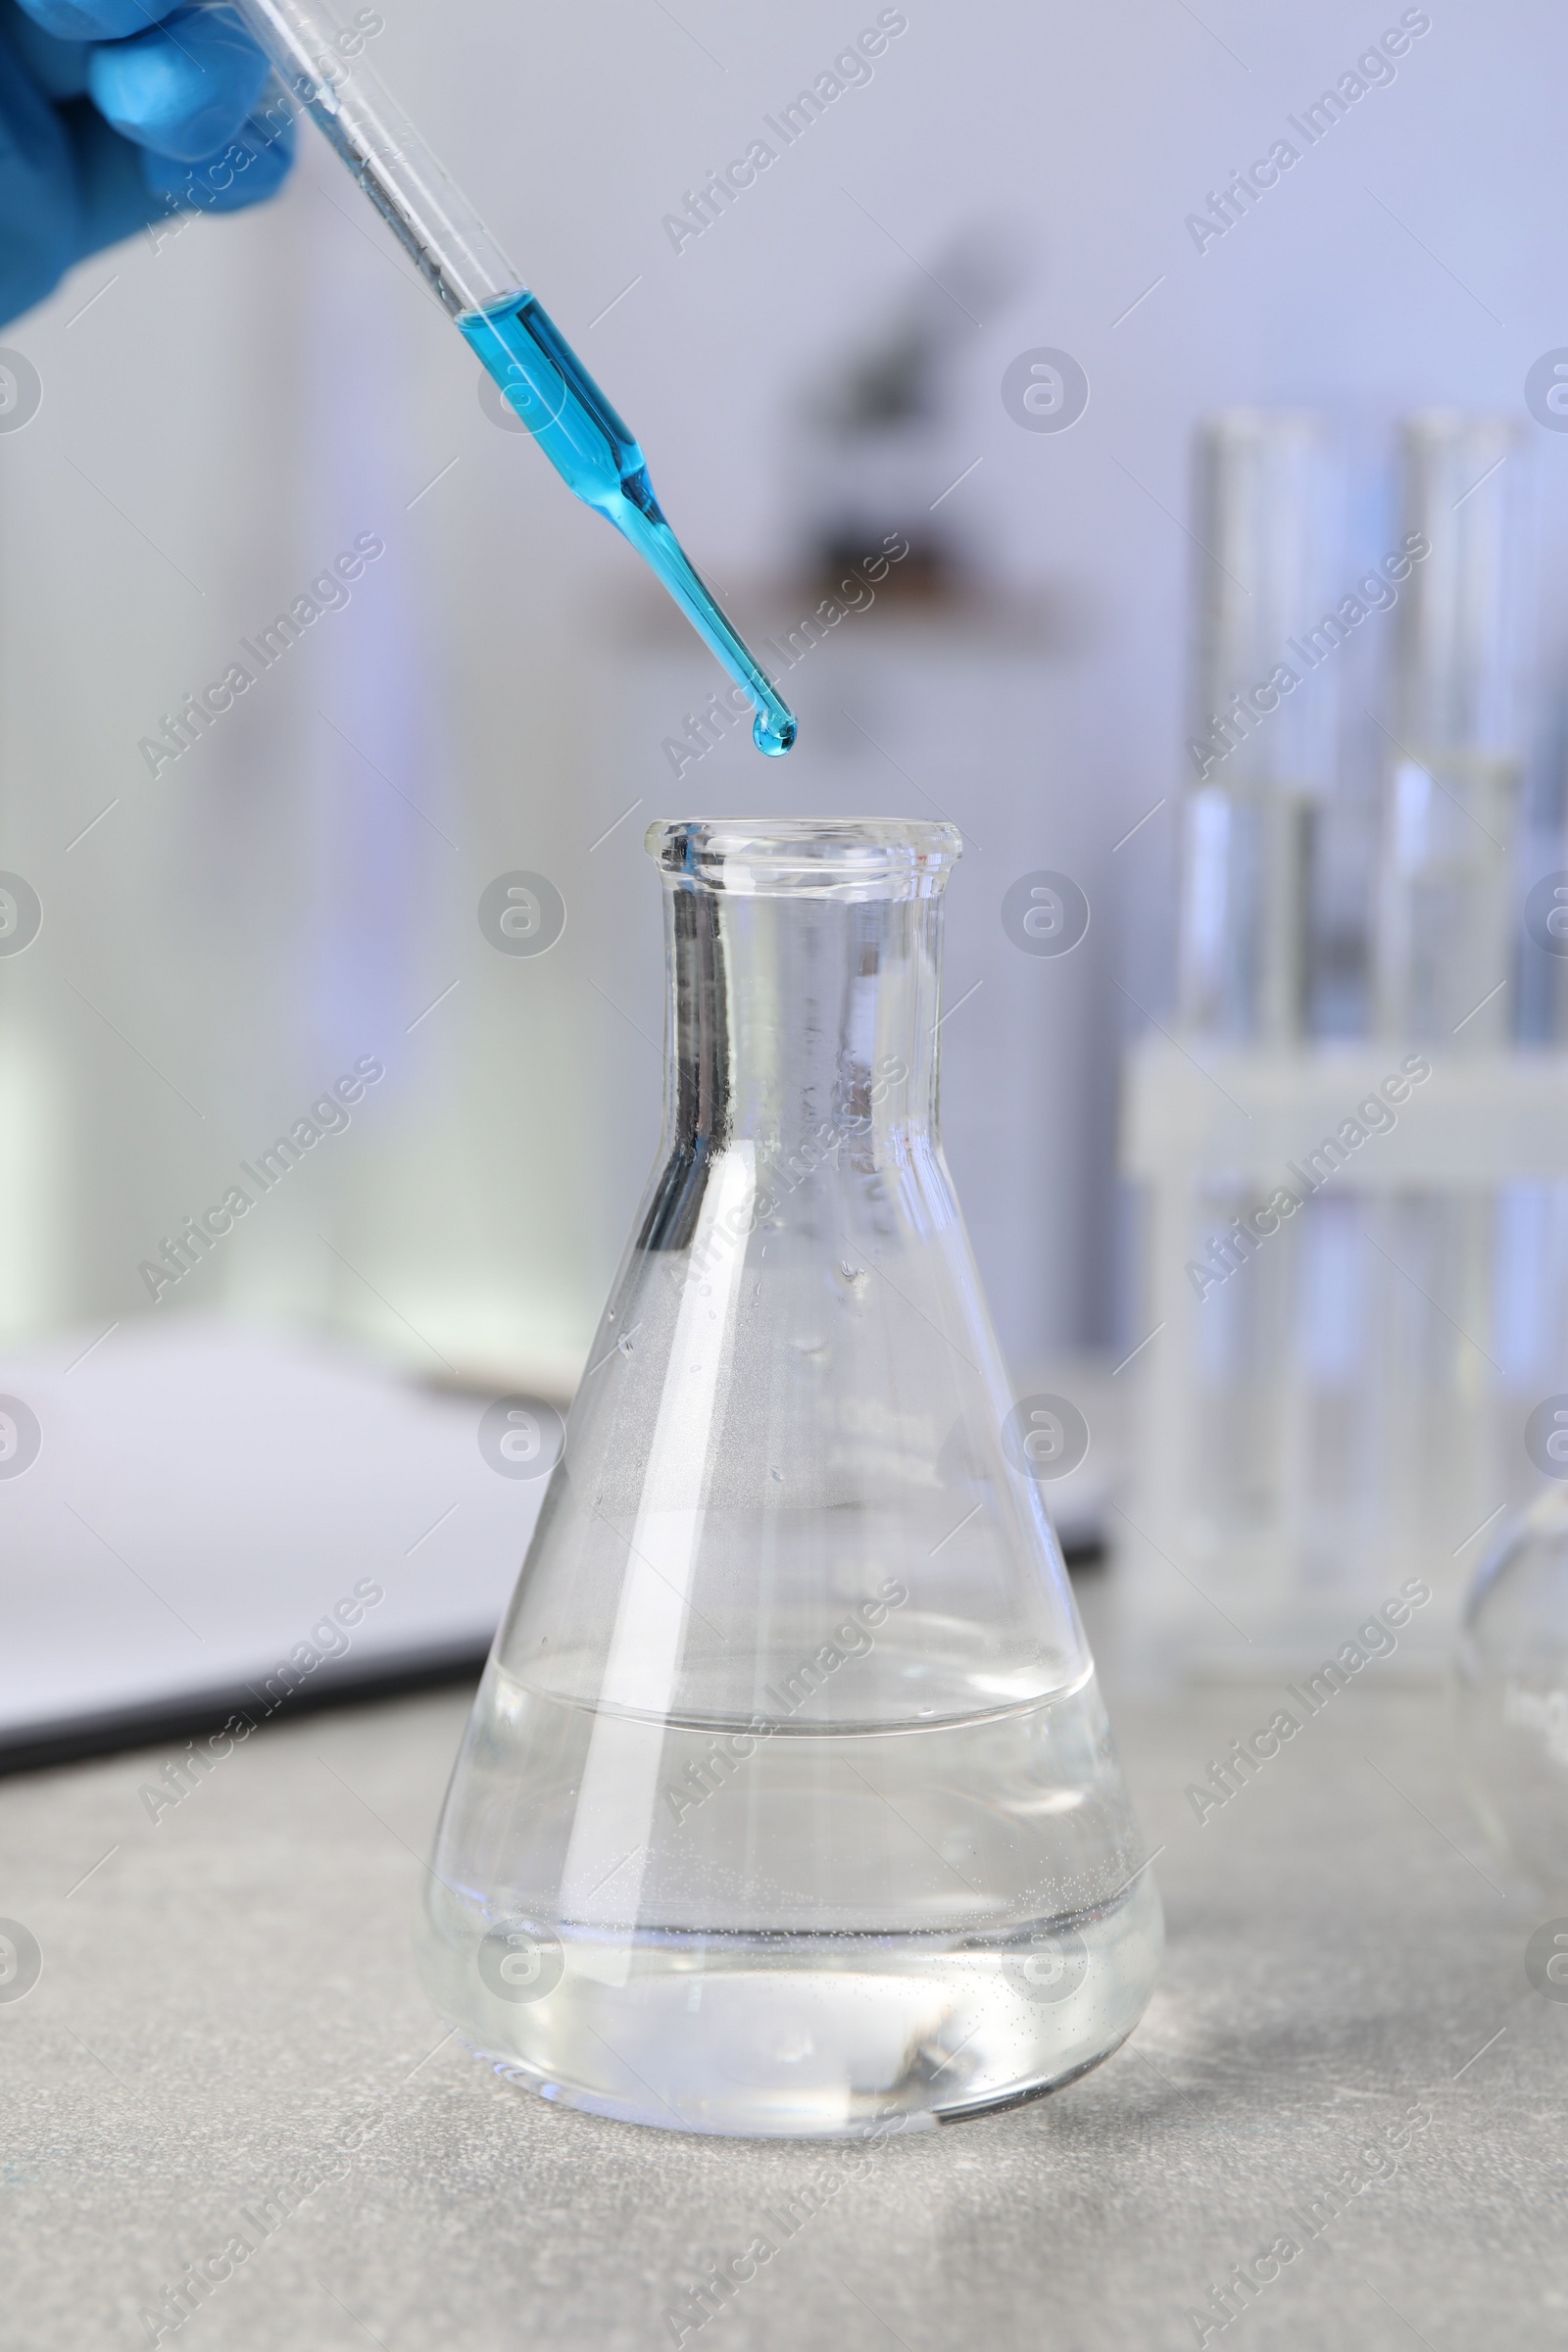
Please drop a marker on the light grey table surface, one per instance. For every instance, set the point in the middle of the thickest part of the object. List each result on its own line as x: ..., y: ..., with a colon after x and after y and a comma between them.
x: 229, y: 1993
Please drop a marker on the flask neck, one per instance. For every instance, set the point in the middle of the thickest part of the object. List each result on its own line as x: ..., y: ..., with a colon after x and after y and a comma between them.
x: 802, y: 1023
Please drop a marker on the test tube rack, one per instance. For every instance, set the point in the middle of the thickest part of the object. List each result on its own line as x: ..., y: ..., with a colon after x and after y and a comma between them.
x: 1271, y: 1505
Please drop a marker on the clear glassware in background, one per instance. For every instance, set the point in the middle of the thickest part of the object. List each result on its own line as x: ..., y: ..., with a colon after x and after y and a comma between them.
x: 1446, y: 914
x: 788, y: 1802
x: 1445, y: 923
x: 1513, y: 1686
x: 1263, y: 518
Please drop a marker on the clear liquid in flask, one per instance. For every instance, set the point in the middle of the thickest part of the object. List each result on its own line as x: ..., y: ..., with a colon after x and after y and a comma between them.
x: 961, y: 1937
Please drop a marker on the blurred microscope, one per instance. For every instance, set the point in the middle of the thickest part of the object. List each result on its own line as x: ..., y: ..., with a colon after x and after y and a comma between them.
x: 1355, y: 1247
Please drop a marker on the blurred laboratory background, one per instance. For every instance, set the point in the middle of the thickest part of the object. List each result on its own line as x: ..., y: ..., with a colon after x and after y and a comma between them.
x: 1034, y: 411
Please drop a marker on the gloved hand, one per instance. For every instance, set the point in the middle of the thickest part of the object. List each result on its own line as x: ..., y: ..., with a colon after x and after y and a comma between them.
x: 117, y: 113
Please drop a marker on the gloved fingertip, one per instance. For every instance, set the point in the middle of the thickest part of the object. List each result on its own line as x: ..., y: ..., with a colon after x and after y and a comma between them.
x: 182, y: 96
x: 251, y: 167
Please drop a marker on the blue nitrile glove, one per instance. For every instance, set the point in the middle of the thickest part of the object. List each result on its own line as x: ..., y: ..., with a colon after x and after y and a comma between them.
x: 118, y: 113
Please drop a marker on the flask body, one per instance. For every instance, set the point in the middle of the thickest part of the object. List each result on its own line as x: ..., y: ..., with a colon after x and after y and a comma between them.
x: 787, y: 1805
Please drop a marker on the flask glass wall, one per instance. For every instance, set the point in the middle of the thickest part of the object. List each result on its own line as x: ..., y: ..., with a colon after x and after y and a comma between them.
x: 788, y: 1802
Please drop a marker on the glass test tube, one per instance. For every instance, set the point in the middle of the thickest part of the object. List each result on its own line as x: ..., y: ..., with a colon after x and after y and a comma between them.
x: 1445, y: 955
x: 1445, y: 914
x: 1261, y: 748
x: 1261, y: 741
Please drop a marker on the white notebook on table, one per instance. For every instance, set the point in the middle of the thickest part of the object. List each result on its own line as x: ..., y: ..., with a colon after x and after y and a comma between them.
x: 219, y: 1518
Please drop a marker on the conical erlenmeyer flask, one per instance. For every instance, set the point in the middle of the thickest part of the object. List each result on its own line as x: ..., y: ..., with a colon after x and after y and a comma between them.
x: 788, y: 1801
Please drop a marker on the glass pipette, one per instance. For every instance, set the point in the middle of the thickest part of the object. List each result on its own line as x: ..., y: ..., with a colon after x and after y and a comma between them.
x: 540, y: 375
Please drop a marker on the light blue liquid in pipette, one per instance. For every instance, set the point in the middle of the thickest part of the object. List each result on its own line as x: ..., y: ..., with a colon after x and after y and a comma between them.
x: 546, y: 384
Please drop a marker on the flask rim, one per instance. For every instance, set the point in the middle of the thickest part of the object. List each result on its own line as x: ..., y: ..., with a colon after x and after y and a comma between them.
x: 806, y: 857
